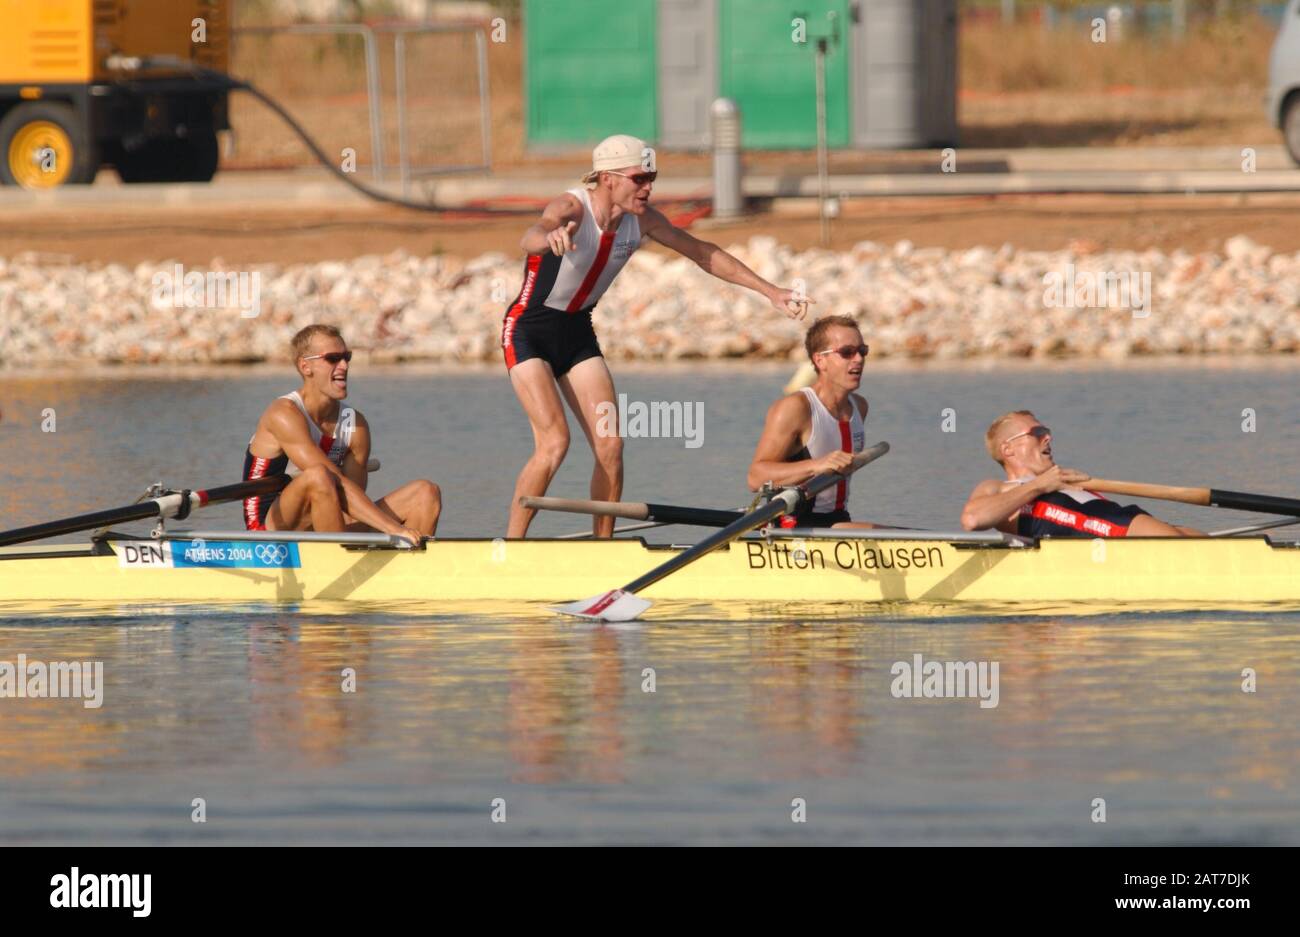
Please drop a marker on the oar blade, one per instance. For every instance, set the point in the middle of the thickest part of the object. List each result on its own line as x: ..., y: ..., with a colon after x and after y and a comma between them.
x: 615, y: 605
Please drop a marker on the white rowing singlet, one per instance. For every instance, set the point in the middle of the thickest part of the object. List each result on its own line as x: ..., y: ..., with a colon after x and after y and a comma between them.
x: 335, y: 447
x: 577, y: 280
x: 829, y: 434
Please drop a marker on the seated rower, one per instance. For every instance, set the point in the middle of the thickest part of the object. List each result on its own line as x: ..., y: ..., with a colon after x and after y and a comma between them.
x: 329, y: 443
x: 818, y: 429
x: 1039, y: 498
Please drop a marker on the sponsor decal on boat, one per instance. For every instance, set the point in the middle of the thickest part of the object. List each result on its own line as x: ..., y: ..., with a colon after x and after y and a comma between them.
x: 842, y: 554
x: 206, y: 554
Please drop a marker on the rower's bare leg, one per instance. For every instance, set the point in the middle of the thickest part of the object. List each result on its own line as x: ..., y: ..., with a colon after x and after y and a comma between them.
x: 588, y: 385
x: 416, y: 504
x: 312, y: 501
x: 1144, y: 525
x: 534, y: 384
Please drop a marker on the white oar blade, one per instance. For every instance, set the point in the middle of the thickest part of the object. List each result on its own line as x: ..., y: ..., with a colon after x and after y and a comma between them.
x: 615, y: 605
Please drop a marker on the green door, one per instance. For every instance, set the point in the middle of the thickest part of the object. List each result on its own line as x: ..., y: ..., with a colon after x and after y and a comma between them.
x: 772, y: 75
x: 589, y: 69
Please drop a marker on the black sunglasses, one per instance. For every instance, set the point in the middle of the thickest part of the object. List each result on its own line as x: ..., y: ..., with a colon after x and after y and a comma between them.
x: 333, y: 357
x: 638, y: 180
x: 1038, y: 432
x: 847, y: 351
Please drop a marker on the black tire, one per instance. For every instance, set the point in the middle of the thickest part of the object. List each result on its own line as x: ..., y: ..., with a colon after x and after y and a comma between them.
x: 175, y: 159
x: 145, y: 163
x: 1291, y: 126
x: 19, y: 121
x: 200, y: 157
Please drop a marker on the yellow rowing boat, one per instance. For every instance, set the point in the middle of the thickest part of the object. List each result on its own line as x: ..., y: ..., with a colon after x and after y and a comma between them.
x: 866, y: 569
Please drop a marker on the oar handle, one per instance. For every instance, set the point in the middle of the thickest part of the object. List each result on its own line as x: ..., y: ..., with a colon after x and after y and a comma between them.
x: 1145, y: 490
x: 1208, y: 497
x: 236, y: 492
x: 819, y: 483
x: 632, y: 510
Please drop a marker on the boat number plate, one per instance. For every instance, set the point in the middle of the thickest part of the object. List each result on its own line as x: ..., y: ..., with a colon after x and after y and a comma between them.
x: 199, y: 554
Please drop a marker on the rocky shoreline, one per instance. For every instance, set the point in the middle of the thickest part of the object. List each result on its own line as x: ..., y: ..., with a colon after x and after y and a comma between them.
x: 914, y: 303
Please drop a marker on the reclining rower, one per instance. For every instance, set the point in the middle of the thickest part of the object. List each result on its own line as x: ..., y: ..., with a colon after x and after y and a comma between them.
x: 1039, y: 498
x: 330, y: 445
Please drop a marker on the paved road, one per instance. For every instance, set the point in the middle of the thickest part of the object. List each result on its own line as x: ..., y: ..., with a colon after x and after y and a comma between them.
x: 978, y: 172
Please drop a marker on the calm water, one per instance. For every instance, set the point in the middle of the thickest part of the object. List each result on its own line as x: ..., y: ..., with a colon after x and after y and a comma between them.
x: 243, y: 708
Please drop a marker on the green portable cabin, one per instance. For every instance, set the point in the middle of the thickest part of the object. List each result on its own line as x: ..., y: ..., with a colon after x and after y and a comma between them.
x: 653, y: 67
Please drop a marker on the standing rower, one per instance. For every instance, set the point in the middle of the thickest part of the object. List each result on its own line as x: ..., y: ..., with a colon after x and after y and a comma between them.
x: 574, y: 252
x: 818, y: 429
x: 1039, y: 498
x: 329, y: 443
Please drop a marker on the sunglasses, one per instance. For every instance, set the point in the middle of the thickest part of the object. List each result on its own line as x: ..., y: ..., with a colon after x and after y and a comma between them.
x: 847, y: 352
x: 638, y: 180
x: 333, y: 357
x: 1038, y: 432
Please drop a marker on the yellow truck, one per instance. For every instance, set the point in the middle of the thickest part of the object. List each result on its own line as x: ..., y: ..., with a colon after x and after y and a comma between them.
x: 87, y: 83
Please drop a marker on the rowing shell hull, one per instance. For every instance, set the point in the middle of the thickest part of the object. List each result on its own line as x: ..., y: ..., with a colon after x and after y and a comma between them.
x: 1063, y: 575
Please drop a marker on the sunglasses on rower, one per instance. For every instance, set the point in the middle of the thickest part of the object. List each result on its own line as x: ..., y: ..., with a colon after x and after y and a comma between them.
x: 847, y: 352
x: 333, y: 357
x: 638, y: 180
x: 1038, y: 432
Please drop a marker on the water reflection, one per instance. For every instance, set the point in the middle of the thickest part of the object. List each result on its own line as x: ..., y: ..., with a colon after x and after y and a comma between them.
x: 300, y: 699
x: 752, y: 704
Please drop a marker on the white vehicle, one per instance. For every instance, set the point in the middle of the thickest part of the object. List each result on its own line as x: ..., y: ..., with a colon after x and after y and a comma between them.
x: 1284, y: 80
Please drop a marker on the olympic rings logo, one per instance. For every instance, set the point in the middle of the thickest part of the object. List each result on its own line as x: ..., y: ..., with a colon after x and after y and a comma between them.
x: 272, y: 554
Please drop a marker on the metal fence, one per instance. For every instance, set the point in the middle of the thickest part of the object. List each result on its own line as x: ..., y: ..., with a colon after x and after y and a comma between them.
x: 439, y: 104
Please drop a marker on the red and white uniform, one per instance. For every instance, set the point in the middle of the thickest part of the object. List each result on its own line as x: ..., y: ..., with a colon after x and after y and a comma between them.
x: 551, y: 316
x: 576, y: 281
x: 828, y: 435
x: 335, y: 448
x: 1074, y: 512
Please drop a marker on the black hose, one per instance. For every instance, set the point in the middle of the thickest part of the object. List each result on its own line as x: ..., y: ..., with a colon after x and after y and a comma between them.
x: 237, y: 84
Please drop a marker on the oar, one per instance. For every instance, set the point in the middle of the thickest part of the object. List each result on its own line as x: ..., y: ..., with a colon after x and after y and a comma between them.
x: 1208, y: 497
x: 634, y: 510
x: 625, y: 605
x: 176, y: 504
x: 588, y: 535
x: 1255, y: 528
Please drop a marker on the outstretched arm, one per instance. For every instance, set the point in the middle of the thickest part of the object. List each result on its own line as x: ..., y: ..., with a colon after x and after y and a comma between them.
x: 713, y: 259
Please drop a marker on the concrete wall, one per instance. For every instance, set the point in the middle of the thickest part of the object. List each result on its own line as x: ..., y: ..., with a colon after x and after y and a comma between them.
x: 688, y: 71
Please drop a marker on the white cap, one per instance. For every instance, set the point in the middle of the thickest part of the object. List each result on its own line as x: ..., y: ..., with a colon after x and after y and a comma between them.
x: 620, y: 151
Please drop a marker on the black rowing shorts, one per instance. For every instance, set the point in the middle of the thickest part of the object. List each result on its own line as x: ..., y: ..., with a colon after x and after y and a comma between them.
x: 562, y: 339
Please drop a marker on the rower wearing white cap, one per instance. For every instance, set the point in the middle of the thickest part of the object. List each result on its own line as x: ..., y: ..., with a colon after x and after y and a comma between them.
x: 575, y: 250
